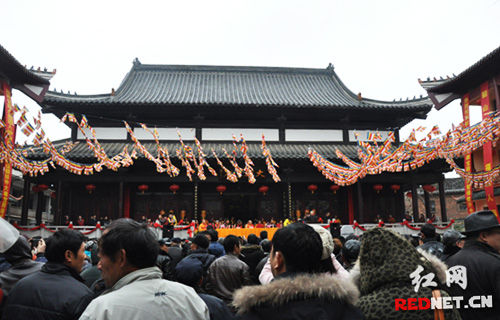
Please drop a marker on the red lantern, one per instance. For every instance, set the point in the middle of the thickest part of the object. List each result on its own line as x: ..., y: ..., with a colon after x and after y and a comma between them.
x: 143, y: 187
x: 395, y: 187
x: 409, y: 194
x: 174, y: 188
x: 378, y: 187
x: 334, y: 188
x: 90, y: 188
x: 221, y: 189
x: 429, y: 188
x: 43, y: 187
x: 312, y: 188
x: 264, y: 189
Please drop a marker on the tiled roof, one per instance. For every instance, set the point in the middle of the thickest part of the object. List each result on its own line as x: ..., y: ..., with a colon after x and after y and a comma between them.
x: 478, y: 195
x: 81, y: 152
x: 17, y: 73
x: 228, y: 85
x: 482, y: 70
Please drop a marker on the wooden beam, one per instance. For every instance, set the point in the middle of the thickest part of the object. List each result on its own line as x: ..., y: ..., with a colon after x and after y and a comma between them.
x: 414, y: 201
x: 26, y: 202
x: 59, y: 203
x: 360, y: 202
x: 427, y: 205
x: 39, y: 199
x: 442, y: 201
x: 120, y: 198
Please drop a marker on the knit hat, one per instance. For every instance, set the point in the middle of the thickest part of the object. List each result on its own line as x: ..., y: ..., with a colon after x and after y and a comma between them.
x: 8, y: 235
x: 326, y: 239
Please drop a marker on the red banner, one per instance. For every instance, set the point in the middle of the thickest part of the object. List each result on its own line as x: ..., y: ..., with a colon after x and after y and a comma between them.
x: 9, y: 135
x: 488, y: 151
x: 468, y: 157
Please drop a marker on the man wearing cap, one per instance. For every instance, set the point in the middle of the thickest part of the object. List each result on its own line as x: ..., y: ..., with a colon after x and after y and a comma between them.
x: 453, y: 241
x: 481, y: 258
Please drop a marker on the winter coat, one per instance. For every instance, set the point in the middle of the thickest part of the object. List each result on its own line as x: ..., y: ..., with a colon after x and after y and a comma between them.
x: 143, y: 294
x: 164, y: 262
x: 382, y: 274
x: 251, y: 254
x: 300, y: 296
x: 225, y: 275
x: 19, y: 256
x: 216, y: 249
x: 217, y: 308
x: 54, y: 292
x: 90, y: 275
x: 483, y: 278
x: 205, y: 258
x: 175, y: 253
x: 434, y: 247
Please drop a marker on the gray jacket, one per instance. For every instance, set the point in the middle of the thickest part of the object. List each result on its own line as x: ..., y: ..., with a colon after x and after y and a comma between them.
x: 225, y: 275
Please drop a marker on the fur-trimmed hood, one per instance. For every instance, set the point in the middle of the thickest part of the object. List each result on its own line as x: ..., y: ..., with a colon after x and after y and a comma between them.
x: 300, y: 287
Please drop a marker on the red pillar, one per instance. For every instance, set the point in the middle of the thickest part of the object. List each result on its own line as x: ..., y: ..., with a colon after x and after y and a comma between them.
x: 468, y: 157
x: 488, y: 151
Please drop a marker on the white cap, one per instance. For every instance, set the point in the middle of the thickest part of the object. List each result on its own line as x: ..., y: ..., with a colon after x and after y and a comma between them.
x: 8, y: 235
x: 326, y: 239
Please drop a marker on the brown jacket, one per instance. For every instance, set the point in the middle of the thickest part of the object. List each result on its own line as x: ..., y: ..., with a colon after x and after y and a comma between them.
x: 225, y: 275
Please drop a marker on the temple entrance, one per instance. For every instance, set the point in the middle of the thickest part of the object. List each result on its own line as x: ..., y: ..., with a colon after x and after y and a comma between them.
x: 239, y: 206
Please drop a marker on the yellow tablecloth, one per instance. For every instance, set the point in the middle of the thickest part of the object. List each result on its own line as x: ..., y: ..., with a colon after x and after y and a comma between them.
x: 245, y: 232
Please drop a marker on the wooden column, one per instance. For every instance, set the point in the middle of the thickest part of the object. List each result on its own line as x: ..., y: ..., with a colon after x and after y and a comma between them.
x: 350, y: 205
x: 414, y: 201
x: 120, y: 198
x: 442, y: 201
x: 360, y: 202
x: 39, y: 199
x: 427, y: 205
x: 59, y: 203
x: 26, y: 202
x: 195, y: 200
x: 126, y: 204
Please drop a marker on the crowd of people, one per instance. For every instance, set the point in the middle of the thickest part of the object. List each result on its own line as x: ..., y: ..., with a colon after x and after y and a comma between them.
x: 304, y: 272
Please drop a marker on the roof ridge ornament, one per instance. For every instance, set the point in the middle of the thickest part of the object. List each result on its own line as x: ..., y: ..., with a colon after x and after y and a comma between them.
x: 330, y: 66
x: 136, y: 62
x: 359, y: 96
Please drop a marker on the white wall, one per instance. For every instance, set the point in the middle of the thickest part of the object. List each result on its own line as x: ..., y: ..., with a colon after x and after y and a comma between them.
x: 105, y: 133
x: 226, y: 134
x: 188, y: 134
x: 313, y: 135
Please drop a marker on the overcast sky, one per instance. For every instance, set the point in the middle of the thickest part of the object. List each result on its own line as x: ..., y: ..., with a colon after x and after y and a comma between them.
x: 378, y: 48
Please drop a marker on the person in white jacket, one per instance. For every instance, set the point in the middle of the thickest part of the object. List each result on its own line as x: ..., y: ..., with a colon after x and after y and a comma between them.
x: 136, y: 290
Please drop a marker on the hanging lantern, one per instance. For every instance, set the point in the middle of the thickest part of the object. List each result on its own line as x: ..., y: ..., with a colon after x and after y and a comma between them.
x: 264, y: 189
x: 378, y: 187
x: 221, y: 189
x: 429, y: 188
x: 43, y: 187
x: 334, y: 188
x: 395, y: 187
x: 174, y: 188
x: 90, y: 188
x: 312, y: 188
x: 143, y: 187
x: 409, y: 194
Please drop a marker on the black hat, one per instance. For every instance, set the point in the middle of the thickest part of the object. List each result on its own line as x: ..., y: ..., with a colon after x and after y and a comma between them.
x: 479, y: 221
x: 164, y: 241
x: 176, y: 240
x: 450, y: 237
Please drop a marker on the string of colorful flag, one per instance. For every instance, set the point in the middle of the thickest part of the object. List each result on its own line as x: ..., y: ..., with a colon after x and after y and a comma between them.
x: 412, y: 154
x: 193, y: 162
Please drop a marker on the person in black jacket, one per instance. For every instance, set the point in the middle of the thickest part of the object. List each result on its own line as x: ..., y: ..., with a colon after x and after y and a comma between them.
x: 199, y: 250
x: 190, y: 273
x: 57, y: 291
x: 22, y: 265
x: 252, y: 254
x: 430, y: 241
x: 481, y: 258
